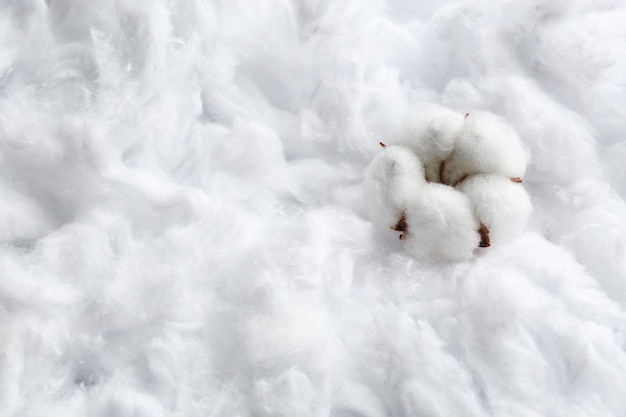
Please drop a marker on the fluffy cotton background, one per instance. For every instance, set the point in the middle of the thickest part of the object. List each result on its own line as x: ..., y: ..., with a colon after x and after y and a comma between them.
x: 183, y: 232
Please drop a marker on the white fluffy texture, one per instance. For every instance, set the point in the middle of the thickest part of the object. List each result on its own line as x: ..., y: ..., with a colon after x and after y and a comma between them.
x: 440, y: 220
x: 183, y: 230
x: 500, y: 204
x: 486, y: 144
x: 431, y: 131
x: 394, y: 177
x: 441, y: 224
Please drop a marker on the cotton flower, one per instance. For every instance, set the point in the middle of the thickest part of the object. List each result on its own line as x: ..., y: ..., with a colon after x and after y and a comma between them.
x: 436, y: 221
x: 393, y: 177
x: 431, y: 132
x: 501, y: 205
x: 450, y: 183
x: 441, y: 224
x: 485, y: 144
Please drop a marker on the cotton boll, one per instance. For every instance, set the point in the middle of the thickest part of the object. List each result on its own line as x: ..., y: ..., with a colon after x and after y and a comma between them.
x: 486, y: 144
x: 431, y: 132
x: 391, y: 179
x: 438, y: 220
x: 441, y: 224
x: 500, y: 204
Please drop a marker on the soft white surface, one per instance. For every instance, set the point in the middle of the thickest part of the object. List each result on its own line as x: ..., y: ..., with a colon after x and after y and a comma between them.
x: 437, y: 222
x: 486, y: 144
x: 500, y: 204
x: 183, y: 232
x: 441, y: 224
x: 393, y: 179
x: 432, y: 132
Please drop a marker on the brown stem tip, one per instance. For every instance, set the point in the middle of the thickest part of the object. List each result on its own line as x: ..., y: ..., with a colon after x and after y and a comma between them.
x: 382, y: 144
x: 516, y: 179
x: 401, y: 226
x: 484, y: 236
x: 442, y: 167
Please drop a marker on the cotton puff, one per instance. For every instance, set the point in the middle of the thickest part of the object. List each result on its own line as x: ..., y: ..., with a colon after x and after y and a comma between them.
x: 391, y: 179
x: 486, y: 144
x: 441, y: 224
x: 431, y: 132
x: 500, y: 204
x: 438, y: 222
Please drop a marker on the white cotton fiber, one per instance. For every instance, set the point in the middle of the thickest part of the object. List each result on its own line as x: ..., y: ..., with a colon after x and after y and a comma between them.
x: 183, y: 230
x: 22, y: 220
x: 394, y: 176
x: 500, y: 204
x: 439, y: 222
x: 431, y: 131
x: 441, y: 225
x: 486, y: 144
